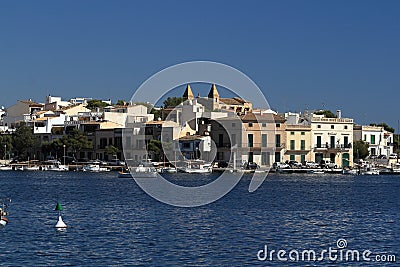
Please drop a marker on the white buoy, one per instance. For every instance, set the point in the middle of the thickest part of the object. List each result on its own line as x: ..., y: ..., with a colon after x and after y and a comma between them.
x: 60, y: 224
x: 3, y: 221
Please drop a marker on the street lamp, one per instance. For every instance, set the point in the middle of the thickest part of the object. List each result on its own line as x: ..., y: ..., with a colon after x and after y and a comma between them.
x: 64, y: 154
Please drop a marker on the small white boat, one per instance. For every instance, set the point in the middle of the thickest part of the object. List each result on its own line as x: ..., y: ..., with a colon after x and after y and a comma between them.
x: 30, y: 168
x: 5, y: 168
x: 316, y: 172
x: 4, y: 212
x: 142, y: 171
x: 168, y: 170
x: 370, y: 171
x: 58, y: 168
x: 124, y: 175
x: 350, y: 172
x: 94, y: 168
x: 196, y: 167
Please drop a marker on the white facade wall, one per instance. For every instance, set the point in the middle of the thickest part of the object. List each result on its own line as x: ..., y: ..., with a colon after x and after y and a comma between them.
x: 48, y: 124
x: 332, y: 139
x: 379, y: 140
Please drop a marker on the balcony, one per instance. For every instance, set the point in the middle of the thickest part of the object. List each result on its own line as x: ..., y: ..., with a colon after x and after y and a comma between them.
x: 331, y: 120
x: 331, y: 147
x: 302, y: 150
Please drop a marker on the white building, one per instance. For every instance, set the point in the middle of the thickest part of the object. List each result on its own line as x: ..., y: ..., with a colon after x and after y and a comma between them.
x: 127, y: 114
x: 332, y: 139
x: 22, y: 111
x: 45, y: 124
x: 379, y: 140
x: 80, y: 100
x: 55, y: 102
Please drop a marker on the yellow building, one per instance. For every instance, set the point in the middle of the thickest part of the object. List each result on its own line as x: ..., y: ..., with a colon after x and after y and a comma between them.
x: 298, y: 143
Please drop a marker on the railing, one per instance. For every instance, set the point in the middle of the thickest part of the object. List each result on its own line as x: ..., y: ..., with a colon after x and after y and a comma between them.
x: 251, y: 145
x: 297, y: 127
x: 331, y: 120
x: 331, y: 146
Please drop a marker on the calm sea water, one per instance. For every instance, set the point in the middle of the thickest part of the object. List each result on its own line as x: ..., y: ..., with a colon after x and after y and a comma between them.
x: 114, y: 223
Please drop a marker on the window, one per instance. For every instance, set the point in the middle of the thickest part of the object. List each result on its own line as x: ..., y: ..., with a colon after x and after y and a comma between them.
x: 233, y: 125
x: 372, y: 139
x: 233, y: 139
x: 303, y: 145
x: 103, y: 143
x: 345, y: 127
x: 277, y: 156
x: 303, y: 133
x: 302, y: 158
x: 365, y: 137
x: 278, y: 140
x: 346, y: 141
x: 292, y: 144
x: 264, y: 124
x: 319, y: 141
x: 264, y: 140
x: 332, y: 126
x: 319, y: 126
x: 278, y: 125
x: 292, y: 157
x: 220, y: 140
x: 291, y: 133
x: 250, y: 124
x: 332, y: 141
x: 265, y: 158
x: 251, y: 157
x: 250, y: 140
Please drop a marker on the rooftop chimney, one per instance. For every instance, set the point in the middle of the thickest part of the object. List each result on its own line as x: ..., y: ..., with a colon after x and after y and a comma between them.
x: 339, y: 114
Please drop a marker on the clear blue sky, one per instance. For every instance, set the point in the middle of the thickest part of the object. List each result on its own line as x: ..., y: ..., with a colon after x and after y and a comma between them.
x: 333, y: 54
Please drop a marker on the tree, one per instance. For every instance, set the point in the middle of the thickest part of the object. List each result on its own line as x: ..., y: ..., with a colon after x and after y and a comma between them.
x: 156, y: 112
x: 326, y: 113
x: 111, y: 150
x: 121, y: 102
x: 173, y: 101
x: 23, y: 140
x: 5, y: 145
x: 154, y: 147
x: 75, y: 141
x: 95, y: 103
x: 360, y: 149
x: 384, y: 125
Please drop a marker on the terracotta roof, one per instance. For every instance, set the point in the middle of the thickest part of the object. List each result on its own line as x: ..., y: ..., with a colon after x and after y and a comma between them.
x: 231, y: 101
x: 251, y: 117
x: 42, y: 119
x: 69, y: 107
x: 31, y: 103
x: 41, y: 112
x: 191, y: 137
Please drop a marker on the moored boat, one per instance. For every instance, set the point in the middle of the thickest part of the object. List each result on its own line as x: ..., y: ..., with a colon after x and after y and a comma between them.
x: 197, y: 166
x: 5, y: 168
x: 4, y: 212
x: 143, y: 171
x: 350, y: 172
